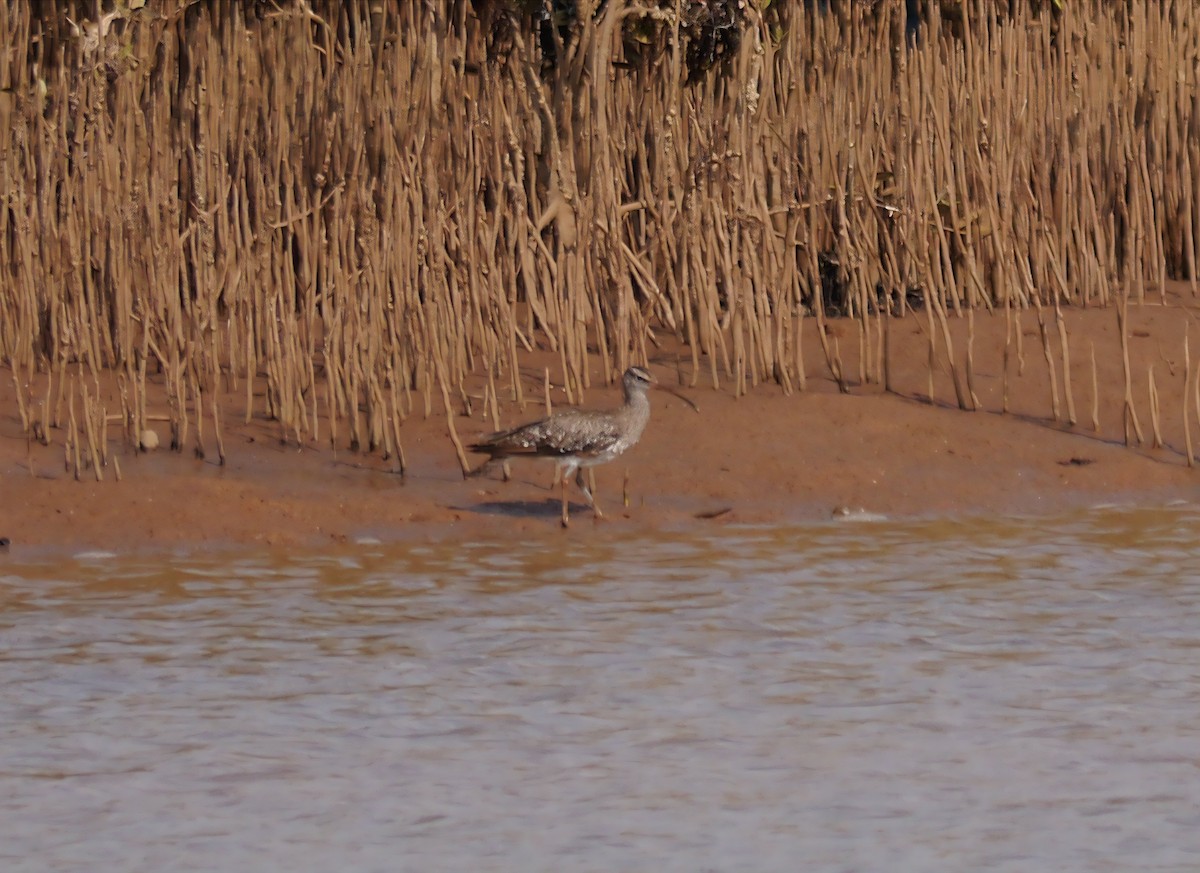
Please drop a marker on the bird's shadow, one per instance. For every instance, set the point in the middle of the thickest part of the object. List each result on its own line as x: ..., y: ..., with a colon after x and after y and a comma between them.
x: 551, y: 507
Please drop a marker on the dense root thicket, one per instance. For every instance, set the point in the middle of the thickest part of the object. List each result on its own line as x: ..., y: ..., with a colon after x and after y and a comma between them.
x: 367, y: 202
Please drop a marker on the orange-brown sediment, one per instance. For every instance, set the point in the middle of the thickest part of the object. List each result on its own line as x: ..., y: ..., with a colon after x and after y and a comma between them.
x: 764, y: 456
x: 311, y: 246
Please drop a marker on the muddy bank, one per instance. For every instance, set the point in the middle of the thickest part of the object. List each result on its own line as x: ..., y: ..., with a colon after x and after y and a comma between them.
x: 762, y: 456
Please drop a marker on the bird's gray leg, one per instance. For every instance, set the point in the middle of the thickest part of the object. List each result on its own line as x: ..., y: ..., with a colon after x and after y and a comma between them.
x: 562, y: 475
x: 581, y: 481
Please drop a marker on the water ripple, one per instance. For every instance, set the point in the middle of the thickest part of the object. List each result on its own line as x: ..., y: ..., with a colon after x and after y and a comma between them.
x: 912, y: 696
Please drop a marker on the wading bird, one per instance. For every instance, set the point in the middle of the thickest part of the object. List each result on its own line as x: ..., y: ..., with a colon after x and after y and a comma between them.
x: 576, y: 438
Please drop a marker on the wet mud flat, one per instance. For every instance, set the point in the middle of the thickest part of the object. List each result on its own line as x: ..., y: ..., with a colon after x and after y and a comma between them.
x: 762, y: 456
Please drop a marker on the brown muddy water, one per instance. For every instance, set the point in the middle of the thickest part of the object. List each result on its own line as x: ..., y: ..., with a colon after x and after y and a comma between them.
x: 1013, y: 695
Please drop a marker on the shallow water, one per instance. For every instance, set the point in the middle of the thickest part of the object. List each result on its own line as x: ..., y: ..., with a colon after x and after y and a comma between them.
x: 1015, y: 695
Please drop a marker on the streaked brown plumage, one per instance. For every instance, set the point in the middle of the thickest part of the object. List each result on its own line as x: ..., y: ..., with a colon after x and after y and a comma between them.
x: 577, y: 438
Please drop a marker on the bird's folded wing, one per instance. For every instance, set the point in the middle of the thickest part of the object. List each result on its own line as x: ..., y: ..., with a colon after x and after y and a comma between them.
x: 564, y: 433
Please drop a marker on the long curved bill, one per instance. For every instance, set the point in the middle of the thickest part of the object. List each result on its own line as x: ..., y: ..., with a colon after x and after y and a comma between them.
x: 661, y: 387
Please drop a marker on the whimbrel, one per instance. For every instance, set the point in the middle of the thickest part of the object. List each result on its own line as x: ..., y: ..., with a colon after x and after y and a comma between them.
x: 576, y: 438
